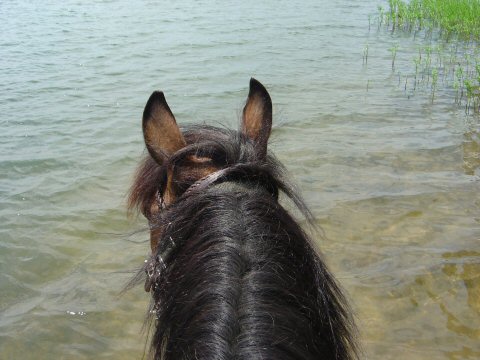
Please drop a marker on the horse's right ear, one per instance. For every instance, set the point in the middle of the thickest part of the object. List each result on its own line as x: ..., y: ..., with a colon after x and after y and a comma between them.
x: 160, y: 130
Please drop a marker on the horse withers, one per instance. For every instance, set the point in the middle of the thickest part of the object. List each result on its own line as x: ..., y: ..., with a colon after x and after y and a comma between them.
x: 232, y: 274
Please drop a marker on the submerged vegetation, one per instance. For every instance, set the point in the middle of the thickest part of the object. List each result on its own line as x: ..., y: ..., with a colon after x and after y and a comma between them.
x: 453, y: 27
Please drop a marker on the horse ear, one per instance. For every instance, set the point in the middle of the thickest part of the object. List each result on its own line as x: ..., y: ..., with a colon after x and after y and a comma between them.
x: 160, y: 130
x: 257, y: 116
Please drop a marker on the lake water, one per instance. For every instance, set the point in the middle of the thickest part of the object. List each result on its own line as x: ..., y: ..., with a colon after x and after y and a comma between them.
x: 392, y: 179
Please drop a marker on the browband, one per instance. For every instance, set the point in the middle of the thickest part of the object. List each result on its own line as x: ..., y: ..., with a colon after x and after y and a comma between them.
x: 243, y: 172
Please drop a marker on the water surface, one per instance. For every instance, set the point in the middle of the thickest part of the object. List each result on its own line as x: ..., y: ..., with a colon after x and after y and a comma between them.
x: 392, y: 179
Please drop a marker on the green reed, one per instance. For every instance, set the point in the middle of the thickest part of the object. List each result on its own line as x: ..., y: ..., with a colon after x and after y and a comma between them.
x: 434, y: 82
x: 454, y: 26
x: 394, y: 50
x: 365, y: 54
x: 452, y: 17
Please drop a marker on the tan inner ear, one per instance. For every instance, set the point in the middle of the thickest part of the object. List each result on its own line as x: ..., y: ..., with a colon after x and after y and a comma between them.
x: 253, y: 118
x: 162, y: 132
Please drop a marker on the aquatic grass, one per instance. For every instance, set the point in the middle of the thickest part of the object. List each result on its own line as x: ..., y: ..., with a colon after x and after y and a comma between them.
x: 473, y: 97
x: 416, y: 61
x: 393, y: 50
x: 365, y: 54
x: 434, y: 82
x: 450, y: 55
x: 452, y: 17
x: 457, y: 82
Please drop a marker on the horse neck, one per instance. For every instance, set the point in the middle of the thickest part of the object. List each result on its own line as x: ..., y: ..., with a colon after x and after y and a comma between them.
x: 243, y: 282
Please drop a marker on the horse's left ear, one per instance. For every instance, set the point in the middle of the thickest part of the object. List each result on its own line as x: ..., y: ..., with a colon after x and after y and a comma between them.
x: 257, y: 116
x: 160, y: 130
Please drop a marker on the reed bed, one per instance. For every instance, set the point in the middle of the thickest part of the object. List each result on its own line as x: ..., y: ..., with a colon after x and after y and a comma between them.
x: 453, y: 27
x: 458, y: 18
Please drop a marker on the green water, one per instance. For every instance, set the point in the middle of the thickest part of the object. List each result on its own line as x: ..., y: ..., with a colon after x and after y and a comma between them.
x: 392, y: 178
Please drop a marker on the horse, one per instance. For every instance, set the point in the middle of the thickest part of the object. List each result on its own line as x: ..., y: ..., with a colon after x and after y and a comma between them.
x: 232, y: 275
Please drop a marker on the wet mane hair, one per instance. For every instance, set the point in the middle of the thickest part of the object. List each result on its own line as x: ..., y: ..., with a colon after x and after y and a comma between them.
x: 232, y: 274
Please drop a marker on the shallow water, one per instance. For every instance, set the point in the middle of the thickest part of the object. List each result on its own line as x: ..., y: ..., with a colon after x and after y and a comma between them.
x: 392, y: 179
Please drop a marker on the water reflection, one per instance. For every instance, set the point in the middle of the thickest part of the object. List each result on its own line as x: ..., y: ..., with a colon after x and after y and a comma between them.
x: 471, y: 152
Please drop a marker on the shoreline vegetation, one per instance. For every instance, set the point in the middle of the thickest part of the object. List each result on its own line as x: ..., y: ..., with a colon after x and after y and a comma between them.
x: 453, y: 26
